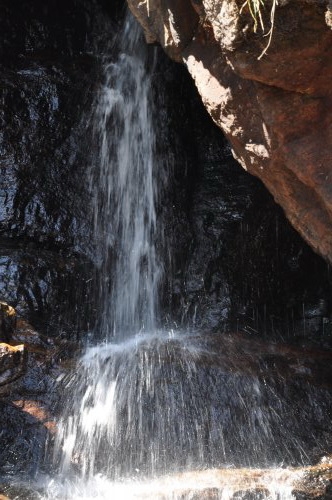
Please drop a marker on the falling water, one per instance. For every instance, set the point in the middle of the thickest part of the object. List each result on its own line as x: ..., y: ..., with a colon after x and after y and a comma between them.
x: 122, y: 182
x: 124, y: 199
x: 145, y: 402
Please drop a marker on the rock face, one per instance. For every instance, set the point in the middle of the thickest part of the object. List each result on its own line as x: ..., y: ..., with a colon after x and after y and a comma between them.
x: 49, y: 69
x: 12, y: 362
x: 275, y: 109
x: 218, y: 277
x: 47, y: 86
x: 7, y: 321
x: 236, y: 262
x: 217, y: 272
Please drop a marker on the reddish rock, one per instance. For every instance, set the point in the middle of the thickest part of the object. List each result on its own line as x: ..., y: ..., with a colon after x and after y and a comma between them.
x: 13, y: 362
x: 275, y: 109
x: 7, y: 321
x: 39, y: 411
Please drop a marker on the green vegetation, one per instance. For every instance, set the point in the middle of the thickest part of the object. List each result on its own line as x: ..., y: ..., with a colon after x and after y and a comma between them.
x: 255, y: 8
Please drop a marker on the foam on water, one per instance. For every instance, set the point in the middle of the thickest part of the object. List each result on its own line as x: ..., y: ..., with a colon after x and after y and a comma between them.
x: 276, y: 484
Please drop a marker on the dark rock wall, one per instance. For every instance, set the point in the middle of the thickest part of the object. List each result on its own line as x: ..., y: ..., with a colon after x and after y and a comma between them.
x: 231, y: 260
x: 49, y: 54
x: 49, y: 68
x: 237, y: 263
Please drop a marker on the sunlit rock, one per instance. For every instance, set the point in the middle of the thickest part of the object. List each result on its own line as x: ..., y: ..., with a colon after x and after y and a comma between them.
x: 275, y: 108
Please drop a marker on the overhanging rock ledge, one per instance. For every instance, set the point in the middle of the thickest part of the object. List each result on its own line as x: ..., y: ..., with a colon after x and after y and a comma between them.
x: 274, y: 110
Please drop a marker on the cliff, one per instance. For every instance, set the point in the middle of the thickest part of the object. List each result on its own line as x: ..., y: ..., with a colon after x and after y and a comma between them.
x: 274, y: 107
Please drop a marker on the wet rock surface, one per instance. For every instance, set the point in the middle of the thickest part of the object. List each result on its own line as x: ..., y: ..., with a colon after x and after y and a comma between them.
x: 29, y: 369
x: 13, y: 362
x: 47, y: 80
x: 7, y: 321
x: 234, y: 262
x: 49, y: 57
x: 49, y: 60
x: 46, y: 286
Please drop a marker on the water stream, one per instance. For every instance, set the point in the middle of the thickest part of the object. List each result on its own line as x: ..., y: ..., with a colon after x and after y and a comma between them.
x: 124, y: 191
x: 147, y: 401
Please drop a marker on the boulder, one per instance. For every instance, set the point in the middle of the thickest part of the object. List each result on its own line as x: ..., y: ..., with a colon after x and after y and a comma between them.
x: 274, y: 108
x: 13, y: 362
x: 7, y: 321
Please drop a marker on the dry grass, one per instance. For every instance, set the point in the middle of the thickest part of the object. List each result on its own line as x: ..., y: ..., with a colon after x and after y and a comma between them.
x: 255, y: 8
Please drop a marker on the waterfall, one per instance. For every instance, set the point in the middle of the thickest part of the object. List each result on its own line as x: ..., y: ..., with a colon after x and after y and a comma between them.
x: 124, y: 191
x: 124, y: 213
x: 147, y: 402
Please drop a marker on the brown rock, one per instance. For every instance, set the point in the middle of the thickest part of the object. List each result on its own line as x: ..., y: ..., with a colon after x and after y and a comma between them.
x: 275, y: 110
x: 13, y: 362
x: 39, y: 411
x: 7, y: 321
x: 243, y: 354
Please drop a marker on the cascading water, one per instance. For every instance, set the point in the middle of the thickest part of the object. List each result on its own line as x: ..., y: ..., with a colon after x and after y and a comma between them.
x: 148, y: 402
x: 124, y: 198
x: 122, y: 182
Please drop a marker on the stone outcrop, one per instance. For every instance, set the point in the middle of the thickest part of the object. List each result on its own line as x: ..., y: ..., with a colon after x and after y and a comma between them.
x: 40, y: 283
x: 275, y: 109
x: 47, y: 86
x: 7, y: 321
x: 29, y: 367
x: 13, y: 362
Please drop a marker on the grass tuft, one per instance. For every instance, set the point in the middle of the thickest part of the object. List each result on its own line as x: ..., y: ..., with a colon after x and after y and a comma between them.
x: 255, y: 8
